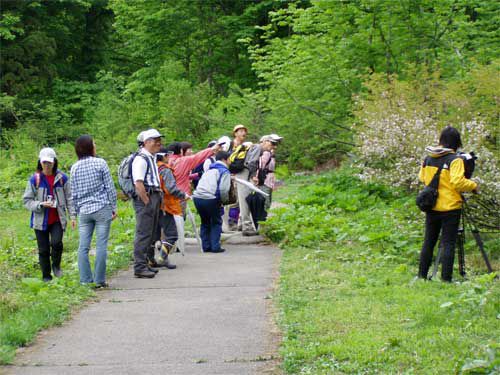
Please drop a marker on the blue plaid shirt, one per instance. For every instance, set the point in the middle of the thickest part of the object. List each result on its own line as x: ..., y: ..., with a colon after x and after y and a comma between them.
x: 92, y: 186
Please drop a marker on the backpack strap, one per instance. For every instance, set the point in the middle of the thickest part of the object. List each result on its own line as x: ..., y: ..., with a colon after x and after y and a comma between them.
x: 435, y: 180
x: 38, y: 177
x: 132, y: 161
x: 267, y: 164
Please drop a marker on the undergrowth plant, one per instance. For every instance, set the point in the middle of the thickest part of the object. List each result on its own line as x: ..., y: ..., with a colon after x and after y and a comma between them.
x: 348, y: 298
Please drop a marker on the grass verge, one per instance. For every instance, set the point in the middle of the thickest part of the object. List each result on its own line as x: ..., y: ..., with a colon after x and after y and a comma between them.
x: 348, y: 300
x: 28, y: 305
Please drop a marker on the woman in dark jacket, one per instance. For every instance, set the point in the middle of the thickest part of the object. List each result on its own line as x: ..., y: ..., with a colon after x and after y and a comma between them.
x: 48, y: 197
x: 445, y: 216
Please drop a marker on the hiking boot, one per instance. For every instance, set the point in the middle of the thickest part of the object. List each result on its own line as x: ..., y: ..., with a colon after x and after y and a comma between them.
x: 101, y: 285
x: 250, y: 233
x: 154, y: 270
x: 147, y: 274
x: 57, y: 271
x: 166, y: 263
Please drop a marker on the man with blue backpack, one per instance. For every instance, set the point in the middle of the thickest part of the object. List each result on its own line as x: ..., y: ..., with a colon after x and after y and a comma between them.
x: 212, y: 191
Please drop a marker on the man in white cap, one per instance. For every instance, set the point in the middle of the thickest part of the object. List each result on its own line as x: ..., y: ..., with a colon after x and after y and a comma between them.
x: 146, y: 202
x: 264, y: 177
x: 252, y: 162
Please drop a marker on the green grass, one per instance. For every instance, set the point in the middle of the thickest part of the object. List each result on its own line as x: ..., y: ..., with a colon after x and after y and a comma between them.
x: 28, y: 305
x: 347, y: 297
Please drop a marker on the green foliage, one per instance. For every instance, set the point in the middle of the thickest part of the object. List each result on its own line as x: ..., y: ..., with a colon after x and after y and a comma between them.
x: 348, y: 301
x: 309, y: 76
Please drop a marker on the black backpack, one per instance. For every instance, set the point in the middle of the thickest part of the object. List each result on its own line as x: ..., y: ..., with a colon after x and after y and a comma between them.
x: 237, y: 159
x: 427, y: 198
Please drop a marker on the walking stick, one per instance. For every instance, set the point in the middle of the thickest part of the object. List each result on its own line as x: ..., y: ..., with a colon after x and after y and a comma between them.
x: 195, y: 230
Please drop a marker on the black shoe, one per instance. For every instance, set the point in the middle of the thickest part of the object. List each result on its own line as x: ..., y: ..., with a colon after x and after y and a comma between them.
x: 144, y: 274
x: 221, y: 250
x: 57, y: 271
x: 207, y: 251
x: 101, y: 285
x: 47, y: 279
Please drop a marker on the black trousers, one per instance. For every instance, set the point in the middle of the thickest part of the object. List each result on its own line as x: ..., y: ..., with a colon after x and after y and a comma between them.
x: 446, y: 223
x: 50, y: 245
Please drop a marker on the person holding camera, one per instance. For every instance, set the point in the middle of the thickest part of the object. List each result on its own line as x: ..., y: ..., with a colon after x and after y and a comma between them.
x: 48, y: 197
x: 444, y: 217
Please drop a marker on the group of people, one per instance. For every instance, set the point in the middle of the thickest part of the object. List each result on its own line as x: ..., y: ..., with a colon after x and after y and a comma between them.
x: 161, y: 178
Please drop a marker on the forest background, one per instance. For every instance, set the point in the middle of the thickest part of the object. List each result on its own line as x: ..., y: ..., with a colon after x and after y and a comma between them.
x: 366, y: 83
x: 333, y: 77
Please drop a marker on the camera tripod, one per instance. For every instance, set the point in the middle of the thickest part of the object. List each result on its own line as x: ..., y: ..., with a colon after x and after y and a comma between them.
x: 466, y: 222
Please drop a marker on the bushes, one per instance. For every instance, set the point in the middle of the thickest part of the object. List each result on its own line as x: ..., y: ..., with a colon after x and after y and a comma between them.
x: 397, y: 120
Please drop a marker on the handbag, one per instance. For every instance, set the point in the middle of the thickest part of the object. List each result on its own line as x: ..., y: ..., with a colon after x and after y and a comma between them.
x: 427, y: 198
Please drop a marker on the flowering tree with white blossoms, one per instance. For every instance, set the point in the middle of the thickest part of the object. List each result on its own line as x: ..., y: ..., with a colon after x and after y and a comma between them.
x: 396, y: 124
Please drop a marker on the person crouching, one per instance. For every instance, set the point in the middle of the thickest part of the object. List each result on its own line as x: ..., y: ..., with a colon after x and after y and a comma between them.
x: 211, y: 192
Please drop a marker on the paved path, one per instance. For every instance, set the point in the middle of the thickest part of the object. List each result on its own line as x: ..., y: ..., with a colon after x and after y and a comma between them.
x: 212, y: 315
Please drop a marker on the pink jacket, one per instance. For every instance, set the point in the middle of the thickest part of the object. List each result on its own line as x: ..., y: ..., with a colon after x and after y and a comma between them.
x: 183, y: 165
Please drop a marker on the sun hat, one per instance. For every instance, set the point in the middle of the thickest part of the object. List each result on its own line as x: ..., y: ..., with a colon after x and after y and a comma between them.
x: 238, y: 127
x: 47, y: 154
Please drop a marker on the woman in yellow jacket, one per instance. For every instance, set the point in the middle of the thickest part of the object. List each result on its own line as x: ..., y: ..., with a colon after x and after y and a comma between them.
x: 445, y: 216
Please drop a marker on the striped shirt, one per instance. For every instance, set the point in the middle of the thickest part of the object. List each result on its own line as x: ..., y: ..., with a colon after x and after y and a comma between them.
x: 92, y: 186
x: 141, y: 172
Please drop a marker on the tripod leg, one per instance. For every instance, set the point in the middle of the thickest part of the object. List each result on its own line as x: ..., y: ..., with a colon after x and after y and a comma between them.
x: 480, y: 244
x: 461, y: 253
x: 436, y: 261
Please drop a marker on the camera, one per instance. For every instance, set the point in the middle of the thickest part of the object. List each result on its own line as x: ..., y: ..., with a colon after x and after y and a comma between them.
x: 469, y: 162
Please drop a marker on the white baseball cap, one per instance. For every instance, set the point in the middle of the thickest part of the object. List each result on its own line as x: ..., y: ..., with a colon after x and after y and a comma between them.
x: 275, y: 138
x: 224, y: 142
x: 47, y: 154
x: 149, y: 134
x: 140, y: 137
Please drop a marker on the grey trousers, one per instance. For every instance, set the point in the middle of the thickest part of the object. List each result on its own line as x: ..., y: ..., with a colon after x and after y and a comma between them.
x: 146, y: 226
x: 243, y: 193
x: 167, y: 223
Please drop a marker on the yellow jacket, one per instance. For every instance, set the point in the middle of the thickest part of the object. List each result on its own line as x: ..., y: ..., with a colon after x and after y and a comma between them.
x: 452, y: 181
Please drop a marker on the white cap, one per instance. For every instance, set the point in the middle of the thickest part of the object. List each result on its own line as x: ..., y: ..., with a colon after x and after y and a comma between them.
x: 275, y: 138
x: 140, y: 137
x: 224, y: 142
x: 149, y: 134
x: 47, y: 154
